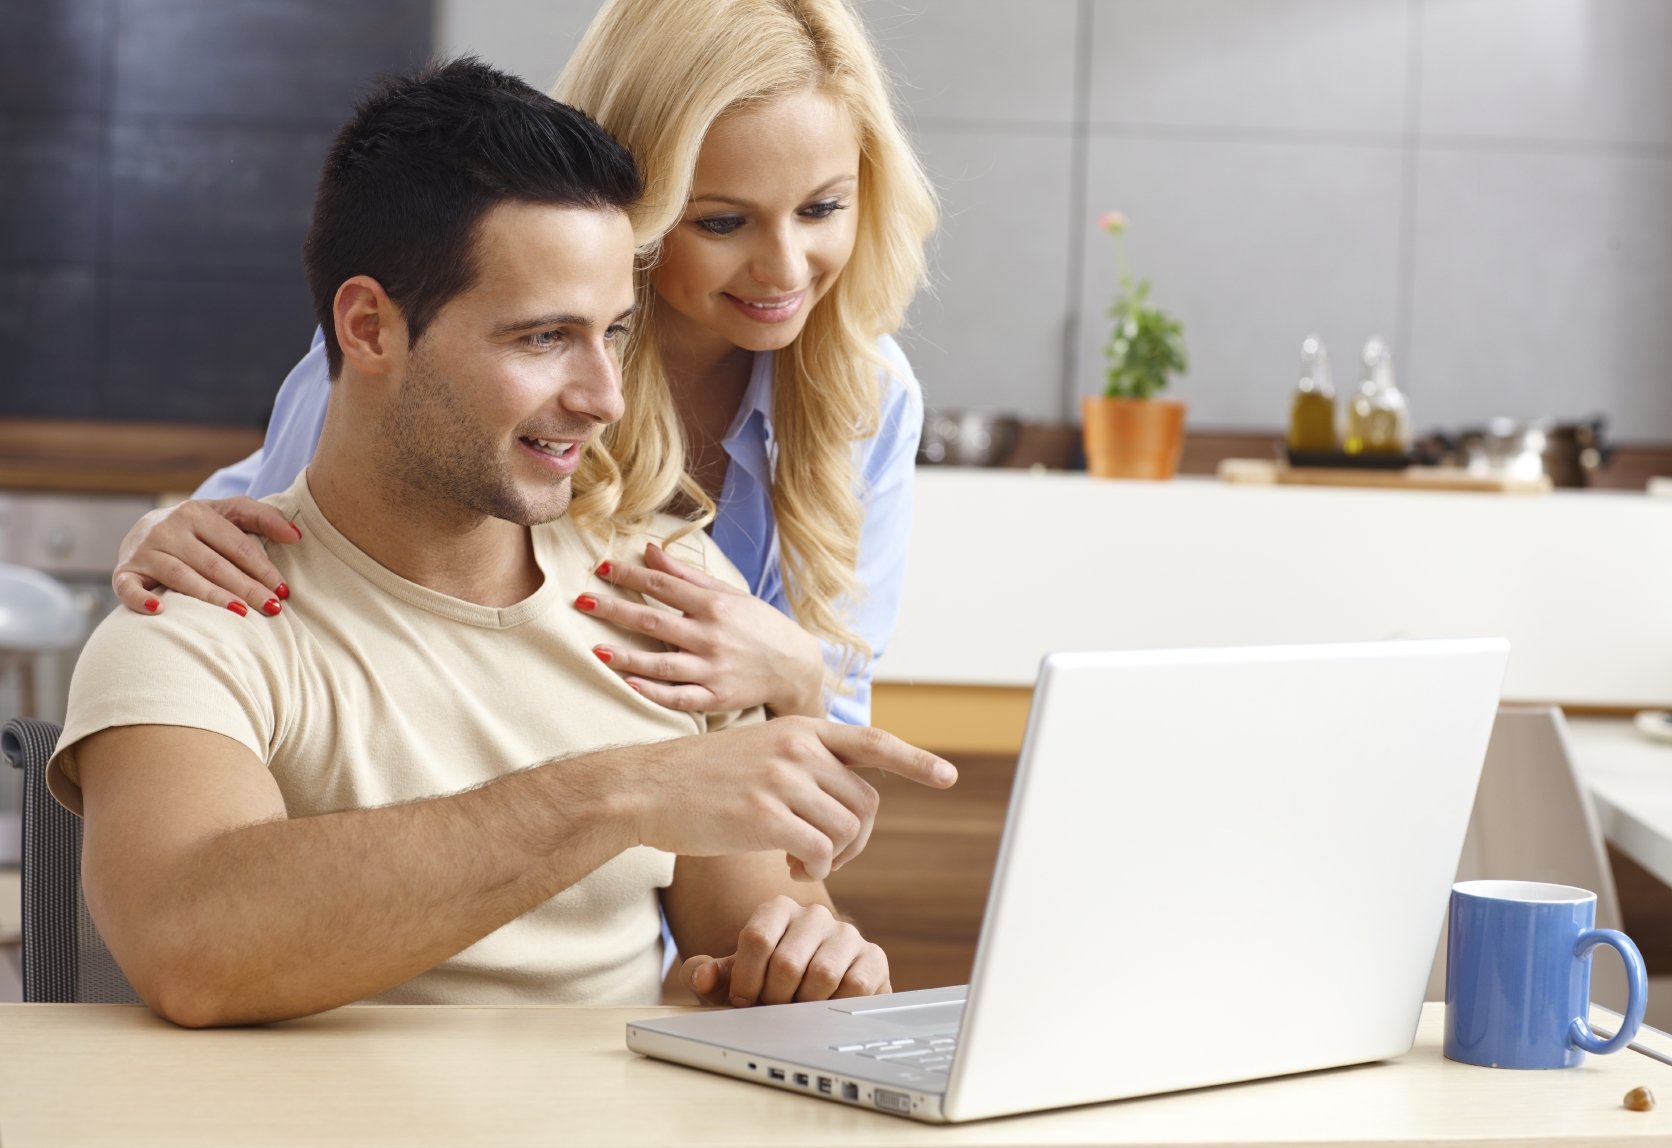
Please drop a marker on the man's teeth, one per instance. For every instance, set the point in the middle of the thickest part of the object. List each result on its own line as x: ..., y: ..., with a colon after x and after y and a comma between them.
x: 553, y: 448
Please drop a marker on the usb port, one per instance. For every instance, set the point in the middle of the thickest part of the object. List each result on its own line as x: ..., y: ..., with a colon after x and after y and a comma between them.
x: 775, y: 1073
x: 801, y: 1079
x: 824, y: 1085
x: 850, y: 1090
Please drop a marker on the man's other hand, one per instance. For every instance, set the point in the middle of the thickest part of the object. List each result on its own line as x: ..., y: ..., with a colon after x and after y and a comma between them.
x: 790, y: 952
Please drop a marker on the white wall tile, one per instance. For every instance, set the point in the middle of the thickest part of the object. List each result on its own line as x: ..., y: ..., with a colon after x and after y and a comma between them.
x: 1581, y: 70
x: 990, y: 334
x: 528, y: 38
x: 1277, y: 64
x: 1541, y: 289
x: 1251, y: 246
x: 978, y: 59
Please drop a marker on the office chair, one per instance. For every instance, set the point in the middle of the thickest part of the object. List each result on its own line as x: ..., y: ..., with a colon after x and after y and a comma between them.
x: 64, y: 959
x: 1533, y: 821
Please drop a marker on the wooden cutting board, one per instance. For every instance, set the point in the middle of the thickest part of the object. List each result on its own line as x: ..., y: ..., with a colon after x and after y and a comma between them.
x: 1268, y: 472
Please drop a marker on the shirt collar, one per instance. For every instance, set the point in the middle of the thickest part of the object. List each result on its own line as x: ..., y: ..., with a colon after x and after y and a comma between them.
x: 749, y: 440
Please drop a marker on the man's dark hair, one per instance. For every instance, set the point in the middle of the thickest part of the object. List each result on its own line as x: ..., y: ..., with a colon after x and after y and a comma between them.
x: 425, y: 157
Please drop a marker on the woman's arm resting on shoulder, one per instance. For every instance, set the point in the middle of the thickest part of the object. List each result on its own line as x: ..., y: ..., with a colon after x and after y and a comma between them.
x: 203, y: 549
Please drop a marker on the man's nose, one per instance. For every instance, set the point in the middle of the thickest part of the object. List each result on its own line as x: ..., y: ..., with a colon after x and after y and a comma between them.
x: 594, y: 392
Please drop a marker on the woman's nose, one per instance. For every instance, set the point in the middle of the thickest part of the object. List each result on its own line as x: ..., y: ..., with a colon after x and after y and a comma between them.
x: 781, y: 263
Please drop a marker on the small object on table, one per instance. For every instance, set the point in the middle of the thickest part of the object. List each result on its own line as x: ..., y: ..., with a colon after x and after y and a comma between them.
x: 1639, y: 1100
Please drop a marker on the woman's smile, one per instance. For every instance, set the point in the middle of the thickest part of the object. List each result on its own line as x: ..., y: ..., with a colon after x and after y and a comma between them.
x: 777, y: 309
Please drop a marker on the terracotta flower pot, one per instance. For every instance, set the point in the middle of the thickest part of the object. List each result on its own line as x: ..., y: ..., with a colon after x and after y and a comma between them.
x: 1133, y: 438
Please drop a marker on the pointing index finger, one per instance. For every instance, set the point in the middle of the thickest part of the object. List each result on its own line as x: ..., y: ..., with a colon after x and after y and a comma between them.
x: 867, y: 747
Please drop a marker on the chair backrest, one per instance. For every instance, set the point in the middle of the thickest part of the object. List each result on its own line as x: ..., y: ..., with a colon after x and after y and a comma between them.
x: 1533, y: 821
x: 64, y: 959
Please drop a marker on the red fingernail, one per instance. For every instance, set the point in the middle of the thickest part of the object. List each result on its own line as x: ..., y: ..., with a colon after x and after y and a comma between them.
x: 634, y: 688
x: 603, y: 570
x: 271, y: 607
x: 298, y: 530
x: 603, y: 655
x: 282, y: 592
x: 587, y: 602
x: 238, y: 607
x: 151, y: 604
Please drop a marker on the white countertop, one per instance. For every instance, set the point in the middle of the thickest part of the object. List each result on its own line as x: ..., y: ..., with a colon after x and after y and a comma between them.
x: 1629, y: 778
x: 1005, y: 566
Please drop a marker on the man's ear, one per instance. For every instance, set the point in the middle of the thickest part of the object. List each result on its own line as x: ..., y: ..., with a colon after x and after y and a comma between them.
x: 370, y: 328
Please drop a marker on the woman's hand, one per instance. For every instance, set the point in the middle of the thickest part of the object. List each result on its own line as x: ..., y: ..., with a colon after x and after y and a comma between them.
x: 790, y: 952
x: 730, y: 649
x: 202, y: 549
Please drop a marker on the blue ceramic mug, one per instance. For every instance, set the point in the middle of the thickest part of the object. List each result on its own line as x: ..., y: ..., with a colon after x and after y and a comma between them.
x: 1518, y: 975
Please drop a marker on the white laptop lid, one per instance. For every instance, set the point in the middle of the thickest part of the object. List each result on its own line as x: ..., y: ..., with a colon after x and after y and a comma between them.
x: 1221, y: 865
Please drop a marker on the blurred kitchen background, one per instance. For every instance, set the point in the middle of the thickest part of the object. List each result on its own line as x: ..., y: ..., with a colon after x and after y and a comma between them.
x: 1483, y: 182
x: 1487, y: 184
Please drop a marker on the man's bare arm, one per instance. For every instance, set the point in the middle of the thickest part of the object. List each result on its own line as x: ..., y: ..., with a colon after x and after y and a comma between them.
x: 222, y: 911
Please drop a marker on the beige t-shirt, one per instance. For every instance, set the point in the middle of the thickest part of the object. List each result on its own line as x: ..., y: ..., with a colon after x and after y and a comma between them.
x: 369, y: 690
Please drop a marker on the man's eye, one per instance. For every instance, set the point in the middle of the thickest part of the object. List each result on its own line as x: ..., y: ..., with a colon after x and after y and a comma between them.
x: 720, y: 224
x: 824, y: 209
x: 543, y: 340
x: 618, y: 332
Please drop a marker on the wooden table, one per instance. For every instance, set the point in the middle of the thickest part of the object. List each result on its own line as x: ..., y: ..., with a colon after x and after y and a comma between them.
x: 114, y: 1074
x: 1629, y: 778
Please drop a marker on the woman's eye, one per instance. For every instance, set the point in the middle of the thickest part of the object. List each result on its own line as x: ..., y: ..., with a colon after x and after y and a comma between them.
x: 720, y: 224
x: 824, y: 209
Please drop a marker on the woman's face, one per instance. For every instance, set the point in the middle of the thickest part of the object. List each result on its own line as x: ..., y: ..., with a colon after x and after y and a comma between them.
x: 771, y: 223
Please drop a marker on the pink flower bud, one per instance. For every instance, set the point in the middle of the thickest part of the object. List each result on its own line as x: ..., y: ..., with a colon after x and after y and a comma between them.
x: 1112, y: 221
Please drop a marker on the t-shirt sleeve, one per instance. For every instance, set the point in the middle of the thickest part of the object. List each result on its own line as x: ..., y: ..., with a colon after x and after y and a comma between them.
x: 190, y: 666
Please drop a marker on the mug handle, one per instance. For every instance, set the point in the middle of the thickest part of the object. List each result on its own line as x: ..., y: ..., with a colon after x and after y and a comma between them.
x: 1637, y: 992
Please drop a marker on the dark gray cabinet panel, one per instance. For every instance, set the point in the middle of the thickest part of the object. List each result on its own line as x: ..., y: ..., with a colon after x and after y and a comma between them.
x: 212, y: 197
x: 49, y: 340
x: 49, y: 196
x: 202, y: 348
x: 158, y: 160
x: 260, y: 59
x: 52, y: 55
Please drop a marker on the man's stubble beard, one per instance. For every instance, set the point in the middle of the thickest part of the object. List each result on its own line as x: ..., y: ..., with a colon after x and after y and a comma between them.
x: 439, y: 455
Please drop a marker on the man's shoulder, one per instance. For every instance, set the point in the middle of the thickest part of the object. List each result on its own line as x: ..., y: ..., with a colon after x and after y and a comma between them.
x: 693, y: 546
x: 682, y: 539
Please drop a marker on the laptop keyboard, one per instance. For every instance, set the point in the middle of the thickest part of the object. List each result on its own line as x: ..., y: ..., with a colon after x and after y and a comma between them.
x: 930, y: 1053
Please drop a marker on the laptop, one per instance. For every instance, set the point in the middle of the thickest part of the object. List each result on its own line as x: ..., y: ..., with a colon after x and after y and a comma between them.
x: 1218, y: 865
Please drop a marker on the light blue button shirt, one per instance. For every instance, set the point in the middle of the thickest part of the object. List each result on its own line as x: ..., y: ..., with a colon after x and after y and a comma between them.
x: 743, y: 526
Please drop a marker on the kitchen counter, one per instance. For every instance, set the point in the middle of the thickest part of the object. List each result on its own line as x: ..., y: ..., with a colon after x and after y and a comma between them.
x: 1007, y: 565
x: 116, y: 458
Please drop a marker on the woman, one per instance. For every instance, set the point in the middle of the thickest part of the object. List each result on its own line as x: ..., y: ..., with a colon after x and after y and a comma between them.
x: 785, y: 217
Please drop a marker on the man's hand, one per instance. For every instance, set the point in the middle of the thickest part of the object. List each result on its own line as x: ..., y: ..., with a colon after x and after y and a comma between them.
x: 786, y: 785
x: 790, y: 952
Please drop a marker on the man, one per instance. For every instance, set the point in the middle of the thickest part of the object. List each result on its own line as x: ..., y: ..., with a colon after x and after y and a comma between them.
x: 418, y: 784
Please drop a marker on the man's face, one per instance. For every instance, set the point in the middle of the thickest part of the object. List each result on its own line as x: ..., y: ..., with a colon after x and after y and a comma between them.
x: 513, y: 378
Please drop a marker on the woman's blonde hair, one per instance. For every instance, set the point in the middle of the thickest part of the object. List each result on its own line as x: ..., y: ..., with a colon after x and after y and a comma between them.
x: 657, y: 74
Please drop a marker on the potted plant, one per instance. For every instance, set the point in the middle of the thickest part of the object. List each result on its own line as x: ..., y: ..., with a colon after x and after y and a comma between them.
x: 1129, y: 432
